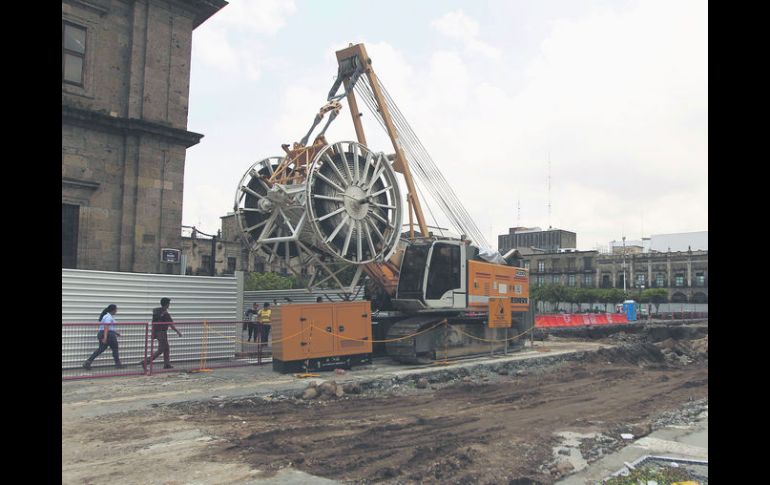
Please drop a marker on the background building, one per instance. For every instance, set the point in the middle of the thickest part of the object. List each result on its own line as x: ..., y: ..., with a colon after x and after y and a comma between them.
x: 534, y: 237
x: 125, y: 86
x: 551, y: 260
x: 663, y: 243
x: 683, y: 273
x: 229, y: 253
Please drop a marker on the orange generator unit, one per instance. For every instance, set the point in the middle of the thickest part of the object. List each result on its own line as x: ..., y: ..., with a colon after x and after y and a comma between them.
x: 321, y: 336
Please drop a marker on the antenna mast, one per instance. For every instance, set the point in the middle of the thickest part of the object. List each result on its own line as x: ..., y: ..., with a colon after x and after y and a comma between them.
x: 549, y: 189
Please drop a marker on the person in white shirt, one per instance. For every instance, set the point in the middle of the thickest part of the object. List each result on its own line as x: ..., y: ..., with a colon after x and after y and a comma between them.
x: 108, y: 337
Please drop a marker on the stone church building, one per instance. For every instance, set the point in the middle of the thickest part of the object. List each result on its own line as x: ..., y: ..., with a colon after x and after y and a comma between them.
x: 125, y: 96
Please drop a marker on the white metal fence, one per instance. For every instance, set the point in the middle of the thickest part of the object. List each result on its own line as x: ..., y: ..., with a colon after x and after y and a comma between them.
x: 86, y: 293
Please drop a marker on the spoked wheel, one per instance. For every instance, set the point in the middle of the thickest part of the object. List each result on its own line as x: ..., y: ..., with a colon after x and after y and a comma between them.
x: 255, y: 213
x: 354, y: 202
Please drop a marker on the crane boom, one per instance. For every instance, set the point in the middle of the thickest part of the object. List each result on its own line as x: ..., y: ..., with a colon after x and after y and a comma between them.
x: 355, y: 55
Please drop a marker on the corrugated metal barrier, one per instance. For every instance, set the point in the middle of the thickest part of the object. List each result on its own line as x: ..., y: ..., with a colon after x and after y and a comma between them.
x: 86, y: 293
x: 194, y: 299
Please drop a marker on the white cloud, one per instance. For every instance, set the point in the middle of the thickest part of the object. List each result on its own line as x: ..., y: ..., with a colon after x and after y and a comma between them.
x: 457, y: 25
x: 265, y: 17
x: 232, y: 42
x: 618, y: 99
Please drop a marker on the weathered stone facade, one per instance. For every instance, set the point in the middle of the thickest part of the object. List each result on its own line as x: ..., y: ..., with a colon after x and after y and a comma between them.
x: 124, y: 131
x: 231, y: 254
x: 683, y: 274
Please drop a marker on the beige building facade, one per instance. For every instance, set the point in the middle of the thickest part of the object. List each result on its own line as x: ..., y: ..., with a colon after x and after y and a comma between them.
x: 229, y: 253
x: 684, y: 274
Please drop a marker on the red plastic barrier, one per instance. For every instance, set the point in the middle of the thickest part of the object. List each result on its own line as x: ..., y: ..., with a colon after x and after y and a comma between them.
x: 560, y: 320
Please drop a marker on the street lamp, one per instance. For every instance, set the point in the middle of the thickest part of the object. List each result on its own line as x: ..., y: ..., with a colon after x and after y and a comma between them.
x: 624, y: 264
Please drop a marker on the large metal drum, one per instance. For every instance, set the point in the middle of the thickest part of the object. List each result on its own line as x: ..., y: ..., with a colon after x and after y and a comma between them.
x: 346, y: 204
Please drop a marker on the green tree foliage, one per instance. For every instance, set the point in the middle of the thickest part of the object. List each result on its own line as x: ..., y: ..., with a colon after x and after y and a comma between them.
x: 572, y: 296
x: 267, y: 281
x: 536, y: 294
x: 655, y: 296
x: 590, y: 296
x: 555, y: 294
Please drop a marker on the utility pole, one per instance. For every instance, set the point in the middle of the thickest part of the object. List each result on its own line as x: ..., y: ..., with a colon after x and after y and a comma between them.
x: 214, y: 237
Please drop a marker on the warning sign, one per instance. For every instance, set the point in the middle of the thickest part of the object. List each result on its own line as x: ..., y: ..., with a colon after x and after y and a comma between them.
x: 500, y: 313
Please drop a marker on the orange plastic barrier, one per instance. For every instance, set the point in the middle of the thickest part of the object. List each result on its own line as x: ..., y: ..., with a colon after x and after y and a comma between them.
x: 560, y: 320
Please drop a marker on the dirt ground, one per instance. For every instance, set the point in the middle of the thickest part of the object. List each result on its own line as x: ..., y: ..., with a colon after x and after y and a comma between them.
x: 497, y: 425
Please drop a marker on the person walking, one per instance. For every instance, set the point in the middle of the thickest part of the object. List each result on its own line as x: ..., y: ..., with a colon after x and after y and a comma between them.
x: 251, y: 315
x: 264, y: 319
x: 161, y: 320
x: 108, y: 337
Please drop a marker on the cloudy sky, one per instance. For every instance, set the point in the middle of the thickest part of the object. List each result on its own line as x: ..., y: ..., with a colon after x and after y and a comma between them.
x: 612, y: 93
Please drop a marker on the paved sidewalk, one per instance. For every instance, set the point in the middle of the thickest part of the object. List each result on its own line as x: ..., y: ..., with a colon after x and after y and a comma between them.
x: 672, y: 441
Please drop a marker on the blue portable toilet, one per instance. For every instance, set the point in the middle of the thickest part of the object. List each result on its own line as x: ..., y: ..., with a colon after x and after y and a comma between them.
x: 631, y: 309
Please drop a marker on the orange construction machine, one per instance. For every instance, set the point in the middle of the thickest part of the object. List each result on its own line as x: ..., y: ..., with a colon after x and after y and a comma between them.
x: 335, y: 210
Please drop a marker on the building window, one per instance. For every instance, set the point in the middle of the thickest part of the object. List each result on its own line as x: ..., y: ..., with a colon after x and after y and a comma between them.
x: 700, y: 279
x: 526, y: 264
x: 641, y: 279
x: 660, y: 280
x: 259, y: 266
x: 70, y: 217
x: 679, y: 279
x: 587, y: 263
x: 555, y: 279
x: 588, y: 280
x: 231, y: 262
x: 571, y: 280
x: 540, y: 280
x: 73, y: 58
x: 541, y: 266
x: 605, y: 281
x: 206, y: 262
x: 570, y: 264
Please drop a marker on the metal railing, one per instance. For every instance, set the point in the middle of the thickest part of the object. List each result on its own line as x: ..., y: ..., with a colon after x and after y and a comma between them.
x: 203, y: 345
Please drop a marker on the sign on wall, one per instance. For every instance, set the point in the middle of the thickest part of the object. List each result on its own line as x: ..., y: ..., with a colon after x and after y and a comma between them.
x: 168, y: 255
x: 500, y: 313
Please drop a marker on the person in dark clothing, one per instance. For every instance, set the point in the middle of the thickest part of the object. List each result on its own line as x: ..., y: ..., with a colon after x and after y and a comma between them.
x: 161, y: 321
x: 252, y: 315
x: 319, y: 299
x: 108, y: 337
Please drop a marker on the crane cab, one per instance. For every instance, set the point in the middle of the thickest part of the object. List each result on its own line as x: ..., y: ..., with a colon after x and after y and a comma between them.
x: 446, y: 274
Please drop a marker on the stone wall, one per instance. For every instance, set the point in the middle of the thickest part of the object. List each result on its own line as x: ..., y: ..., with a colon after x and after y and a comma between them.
x: 124, y: 135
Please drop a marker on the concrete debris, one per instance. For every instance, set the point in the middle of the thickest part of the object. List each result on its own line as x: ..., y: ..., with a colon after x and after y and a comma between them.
x: 310, y: 393
x: 352, y: 388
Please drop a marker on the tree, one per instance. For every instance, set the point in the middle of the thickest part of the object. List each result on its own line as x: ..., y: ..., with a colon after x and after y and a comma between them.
x: 537, y: 294
x: 572, y: 296
x: 555, y: 294
x: 590, y: 296
x: 582, y: 295
x: 266, y: 281
x: 656, y: 296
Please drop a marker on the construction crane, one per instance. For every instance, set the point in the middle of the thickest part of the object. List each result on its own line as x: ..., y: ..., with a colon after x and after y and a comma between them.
x: 337, y: 207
